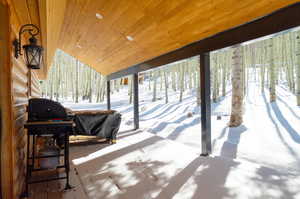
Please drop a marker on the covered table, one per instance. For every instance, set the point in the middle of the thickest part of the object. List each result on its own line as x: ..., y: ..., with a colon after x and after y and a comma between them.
x: 103, y: 124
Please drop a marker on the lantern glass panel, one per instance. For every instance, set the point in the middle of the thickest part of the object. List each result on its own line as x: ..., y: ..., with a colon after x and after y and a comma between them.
x: 33, y: 56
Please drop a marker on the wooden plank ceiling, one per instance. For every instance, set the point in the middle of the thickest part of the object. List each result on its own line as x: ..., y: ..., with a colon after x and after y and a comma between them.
x: 156, y: 26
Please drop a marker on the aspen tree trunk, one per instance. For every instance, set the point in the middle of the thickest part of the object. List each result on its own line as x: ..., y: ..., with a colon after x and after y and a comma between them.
x: 95, y: 84
x: 86, y: 85
x: 215, y: 77
x: 263, y: 66
x: 219, y: 73
x: 194, y: 73
x: 72, y: 80
x: 149, y: 80
x: 291, y: 53
x: 236, y: 117
x: 224, y: 70
x: 52, y: 85
x: 272, y: 72
x: 181, y: 82
x: 289, y: 73
x: 245, y: 74
x: 57, y: 88
x: 253, y: 60
x: 198, y: 82
x: 276, y: 57
x: 90, y: 91
x: 161, y: 80
x: 166, y: 87
x: 130, y: 89
x: 189, y: 68
x: 174, y: 79
x: 77, y: 82
x: 284, y: 61
x: 112, y: 86
x: 281, y: 59
x: 298, y: 68
x: 229, y: 62
x: 118, y: 85
x: 183, y: 79
x: 99, y: 88
x: 154, y: 86
x: 103, y: 89
x: 128, y: 84
x: 65, y: 67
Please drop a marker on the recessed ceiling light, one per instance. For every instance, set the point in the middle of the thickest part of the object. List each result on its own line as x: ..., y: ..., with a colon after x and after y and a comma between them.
x: 129, y: 38
x: 99, y: 16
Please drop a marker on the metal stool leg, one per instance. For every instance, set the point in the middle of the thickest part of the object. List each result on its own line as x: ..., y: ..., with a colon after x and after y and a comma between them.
x: 66, y: 160
x: 26, y: 194
x: 33, y: 152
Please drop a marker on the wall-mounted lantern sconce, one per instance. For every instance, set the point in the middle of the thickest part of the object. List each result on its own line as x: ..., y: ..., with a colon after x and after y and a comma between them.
x: 33, y: 52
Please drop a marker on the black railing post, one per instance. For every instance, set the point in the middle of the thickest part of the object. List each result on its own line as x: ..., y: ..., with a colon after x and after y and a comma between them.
x: 136, y: 100
x: 205, y: 104
x: 108, y: 94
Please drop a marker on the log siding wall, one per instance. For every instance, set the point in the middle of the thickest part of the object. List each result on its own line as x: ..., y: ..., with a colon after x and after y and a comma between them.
x: 21, y: 85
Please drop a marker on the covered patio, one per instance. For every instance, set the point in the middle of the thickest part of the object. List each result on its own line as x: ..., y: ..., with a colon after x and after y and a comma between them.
x: 121, y: 38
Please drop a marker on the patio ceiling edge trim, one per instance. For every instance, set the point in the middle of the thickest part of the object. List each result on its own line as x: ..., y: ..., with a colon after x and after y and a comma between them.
x: 280, y: 20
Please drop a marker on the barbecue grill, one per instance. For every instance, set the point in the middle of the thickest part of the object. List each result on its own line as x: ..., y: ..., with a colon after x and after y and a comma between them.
x: 49, y: 118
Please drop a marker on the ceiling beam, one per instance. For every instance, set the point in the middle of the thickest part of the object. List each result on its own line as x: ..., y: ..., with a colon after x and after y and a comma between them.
x: 275, y: 22
x: 51, y: 13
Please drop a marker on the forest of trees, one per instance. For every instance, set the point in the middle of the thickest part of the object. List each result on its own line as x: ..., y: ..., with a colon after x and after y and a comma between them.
x: 271, y: 61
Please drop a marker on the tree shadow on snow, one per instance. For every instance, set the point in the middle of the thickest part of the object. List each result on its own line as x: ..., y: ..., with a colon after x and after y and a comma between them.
x: 177, y: 131
x: 292, y: 132
x: 230, y: 146
x: 165, y: 110
x: 289, y: 107
x: 274, y: 184
x: 279, y: 133
x: 222, y: 134
x: 163, y: 125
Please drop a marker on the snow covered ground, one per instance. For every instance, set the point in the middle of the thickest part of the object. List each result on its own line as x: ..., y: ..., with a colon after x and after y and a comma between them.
x: 268, y: 140
x: 270, y: 134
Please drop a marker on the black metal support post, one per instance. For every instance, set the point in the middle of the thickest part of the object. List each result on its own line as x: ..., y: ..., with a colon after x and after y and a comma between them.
x: 108, y: 94
x: 205, y: 104
x: 136, y: 100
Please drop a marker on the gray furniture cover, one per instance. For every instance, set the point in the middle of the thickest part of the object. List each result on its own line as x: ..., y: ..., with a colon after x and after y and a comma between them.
x: 104, y: 124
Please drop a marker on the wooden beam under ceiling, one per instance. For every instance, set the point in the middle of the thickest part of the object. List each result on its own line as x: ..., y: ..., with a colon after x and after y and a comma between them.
x: 51, y: 14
